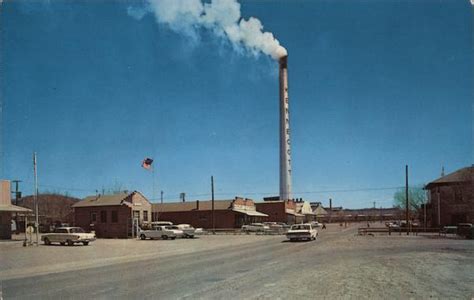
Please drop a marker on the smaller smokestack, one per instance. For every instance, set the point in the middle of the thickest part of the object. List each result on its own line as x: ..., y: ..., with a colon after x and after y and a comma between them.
x: 330, y: 204
x: 197, y: 204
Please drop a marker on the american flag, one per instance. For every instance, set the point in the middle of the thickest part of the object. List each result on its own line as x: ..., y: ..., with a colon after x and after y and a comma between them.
x: 147, y: 163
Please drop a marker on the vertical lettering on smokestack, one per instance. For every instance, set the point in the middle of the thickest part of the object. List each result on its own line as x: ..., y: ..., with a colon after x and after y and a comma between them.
x: 285, y: 145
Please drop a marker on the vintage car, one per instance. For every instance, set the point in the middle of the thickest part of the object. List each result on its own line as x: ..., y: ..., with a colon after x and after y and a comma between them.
x: 316, y: 224
x: 465, y: 230
x: 69, y: 236
x: 188, y: 230
x: 160, y: 223
x: 158, y: 232
x: 255, y: 227
x: 302, y: 232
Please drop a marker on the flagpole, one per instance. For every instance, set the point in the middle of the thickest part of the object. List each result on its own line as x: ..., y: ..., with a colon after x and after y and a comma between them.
x: 153, y: 178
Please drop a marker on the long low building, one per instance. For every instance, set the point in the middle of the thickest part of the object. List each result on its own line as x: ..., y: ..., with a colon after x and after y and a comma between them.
x: 227, y: 213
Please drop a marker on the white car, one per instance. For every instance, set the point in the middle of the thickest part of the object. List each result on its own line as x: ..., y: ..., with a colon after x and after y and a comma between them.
x: 69, y: 236
x: 302, y: 232
x: 255, y: 227
x: 316, y: 224
x: 188, y: 230
x: 176, y: 231
x: 158, y: 232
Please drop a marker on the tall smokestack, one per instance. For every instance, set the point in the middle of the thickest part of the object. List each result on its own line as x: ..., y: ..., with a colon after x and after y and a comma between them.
x: 285, y: 151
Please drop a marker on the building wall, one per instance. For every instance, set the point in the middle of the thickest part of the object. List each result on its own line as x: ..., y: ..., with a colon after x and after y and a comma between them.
x: 143, y: 206
x: 456, y: 204
x: 275, y: 210
x: 203, y: 218
x: 104, y: 228
x: 5, y: 225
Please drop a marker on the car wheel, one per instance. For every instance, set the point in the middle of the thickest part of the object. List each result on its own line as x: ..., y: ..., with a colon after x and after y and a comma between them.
x: 70, y: 243
x: 47, y: 241
x: 173, y: 238
x: 142, y: 237
x: 62, y: 243
x: 85, y: 243
x: 165, y: 237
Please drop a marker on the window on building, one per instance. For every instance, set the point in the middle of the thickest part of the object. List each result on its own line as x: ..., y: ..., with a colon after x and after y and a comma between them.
x: 103, y: 216
x: 145, y: 215
x: 93, y: 217
x: 114, y: 216
x: 136, y: 214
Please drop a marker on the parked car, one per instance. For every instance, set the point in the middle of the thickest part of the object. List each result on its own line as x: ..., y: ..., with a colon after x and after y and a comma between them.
x: 199, y: 231
x: 316, y: 224
x: 161, y: 223
x: 158, y: 232
x: 188, y: 230
x: 302, y: 232
x: 255, y: 227
x: 175, y: 229
x: 69, y: 236
x: 465, y: 230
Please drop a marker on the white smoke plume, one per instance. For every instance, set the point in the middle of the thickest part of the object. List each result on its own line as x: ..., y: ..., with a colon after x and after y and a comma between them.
x: 222, y: 17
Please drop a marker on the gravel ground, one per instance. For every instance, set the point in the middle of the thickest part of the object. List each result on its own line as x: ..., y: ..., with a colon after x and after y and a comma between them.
x: 338, y: 265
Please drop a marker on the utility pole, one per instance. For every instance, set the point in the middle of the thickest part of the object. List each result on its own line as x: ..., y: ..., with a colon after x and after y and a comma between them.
x: 406, y: 199
x: 161, y: 197
x: 212, y: 200
x: 36, y: 199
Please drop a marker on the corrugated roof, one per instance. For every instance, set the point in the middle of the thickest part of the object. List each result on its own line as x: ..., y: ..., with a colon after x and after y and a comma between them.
x: 103, y: 200
x: 461, y: 175
x: 189, y: 206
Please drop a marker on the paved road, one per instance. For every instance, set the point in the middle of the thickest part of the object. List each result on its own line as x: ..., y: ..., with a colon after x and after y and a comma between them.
x: 269, y: 268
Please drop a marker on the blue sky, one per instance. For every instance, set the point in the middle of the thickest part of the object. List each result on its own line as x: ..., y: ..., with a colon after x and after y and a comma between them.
x: 374, y: 85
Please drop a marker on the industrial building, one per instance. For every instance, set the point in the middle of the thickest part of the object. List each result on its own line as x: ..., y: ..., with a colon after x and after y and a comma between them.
x: 228, y: 214
x: 112, y: 216
x: 284, y: 211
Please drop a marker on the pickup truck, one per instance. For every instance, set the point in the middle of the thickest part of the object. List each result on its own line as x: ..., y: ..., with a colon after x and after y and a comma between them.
x: 69, y: 236
x: 158, y: 232
x: 302, y: 232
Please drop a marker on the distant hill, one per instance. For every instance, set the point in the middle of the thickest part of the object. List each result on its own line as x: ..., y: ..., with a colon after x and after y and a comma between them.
x: 51, y: 207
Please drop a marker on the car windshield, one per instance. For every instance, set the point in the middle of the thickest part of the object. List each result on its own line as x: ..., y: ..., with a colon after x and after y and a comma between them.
x: 300, y: 227
x: 76, y: 230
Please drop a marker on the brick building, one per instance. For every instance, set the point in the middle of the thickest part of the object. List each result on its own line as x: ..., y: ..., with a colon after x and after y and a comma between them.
x: 228, y: 213
x: 451, y: 198
x: 280, y: 211
x: 111, y: 216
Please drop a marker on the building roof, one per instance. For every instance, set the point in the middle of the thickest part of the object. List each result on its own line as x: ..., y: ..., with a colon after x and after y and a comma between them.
x: 105, y: 200
x: 252, y: 213
x: 320, y: 211
x: 189, y: 206
x: 14, y: 208
x: 462, y: 175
